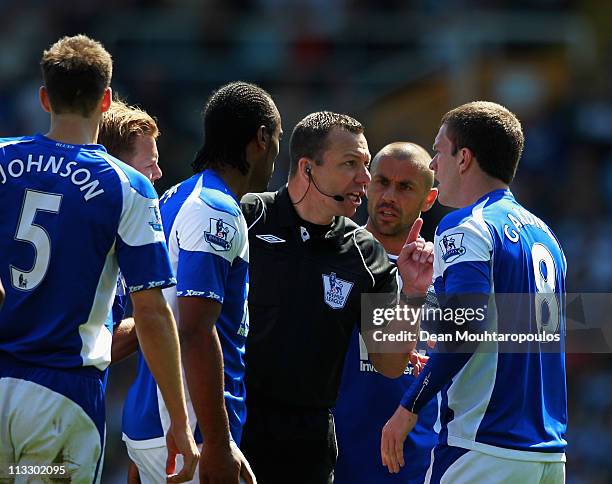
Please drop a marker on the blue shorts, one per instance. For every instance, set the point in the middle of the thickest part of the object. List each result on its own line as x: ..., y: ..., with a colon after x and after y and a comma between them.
x: 52, y: 416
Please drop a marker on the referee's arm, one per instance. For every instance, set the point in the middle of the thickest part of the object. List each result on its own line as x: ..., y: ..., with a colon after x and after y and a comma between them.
x: 415, y: 264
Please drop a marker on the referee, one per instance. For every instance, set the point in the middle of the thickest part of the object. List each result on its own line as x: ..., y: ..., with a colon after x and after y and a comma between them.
x: 309, y: 265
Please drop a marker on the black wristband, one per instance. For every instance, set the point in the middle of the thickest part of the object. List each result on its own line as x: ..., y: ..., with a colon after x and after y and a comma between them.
x: 414, y: 301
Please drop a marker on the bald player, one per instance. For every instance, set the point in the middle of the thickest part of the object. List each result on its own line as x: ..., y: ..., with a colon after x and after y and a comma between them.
x: 401, y: 188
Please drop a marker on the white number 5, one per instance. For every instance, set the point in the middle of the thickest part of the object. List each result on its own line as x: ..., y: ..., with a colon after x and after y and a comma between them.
x: 28, y: 231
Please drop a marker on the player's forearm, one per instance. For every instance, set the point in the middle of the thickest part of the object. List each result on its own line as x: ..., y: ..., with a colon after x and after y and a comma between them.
x: 438, y: 371
x: 125, y: 340
x: 203, y: 361
x: 158, y: 339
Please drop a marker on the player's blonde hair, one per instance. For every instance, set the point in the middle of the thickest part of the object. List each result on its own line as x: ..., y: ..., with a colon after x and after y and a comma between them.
x: 76, y: 71
x: 120, y: 126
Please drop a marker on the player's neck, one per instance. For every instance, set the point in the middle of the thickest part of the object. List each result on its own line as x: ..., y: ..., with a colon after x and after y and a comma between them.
x: 478, y: 187
x: 391, y: 243
x: 73, y: 129
x: 235, y: 181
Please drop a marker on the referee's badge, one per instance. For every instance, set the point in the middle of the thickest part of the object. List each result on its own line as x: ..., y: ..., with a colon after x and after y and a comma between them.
x: 335, y: 291
x: 221, y: 235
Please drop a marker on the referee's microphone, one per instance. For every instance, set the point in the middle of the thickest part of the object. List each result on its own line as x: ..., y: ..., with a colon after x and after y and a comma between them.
x: 337, y: 198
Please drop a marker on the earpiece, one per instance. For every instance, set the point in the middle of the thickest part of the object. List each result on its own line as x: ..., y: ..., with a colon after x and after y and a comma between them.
x: 308, y: 170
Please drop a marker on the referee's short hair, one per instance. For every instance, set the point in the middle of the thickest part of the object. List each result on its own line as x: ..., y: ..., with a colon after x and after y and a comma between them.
x: 309, y: 137
x: 232, y: 115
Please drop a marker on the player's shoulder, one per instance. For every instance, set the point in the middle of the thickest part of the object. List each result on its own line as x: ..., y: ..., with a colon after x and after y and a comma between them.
x: 15, y: 140
x: 373, y: 252
x: 479, y: 218
x: 215, y: 195
x: 128, y: 175
x: 255, y: 205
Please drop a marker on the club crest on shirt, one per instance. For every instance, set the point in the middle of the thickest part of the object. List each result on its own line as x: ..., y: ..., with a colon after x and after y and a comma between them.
x: 335, y: 291
x: 452, y: 246
x: 155, y: 218
x: 221, y: 235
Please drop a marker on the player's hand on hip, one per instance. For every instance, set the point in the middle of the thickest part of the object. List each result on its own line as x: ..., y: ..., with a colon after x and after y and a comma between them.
x: 220, y: 463
x: 393, y: 436
x: 415, y: 262
x: 180, y: 441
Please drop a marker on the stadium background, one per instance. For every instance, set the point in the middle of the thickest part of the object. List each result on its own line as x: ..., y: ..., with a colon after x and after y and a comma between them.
x: 397, y: 66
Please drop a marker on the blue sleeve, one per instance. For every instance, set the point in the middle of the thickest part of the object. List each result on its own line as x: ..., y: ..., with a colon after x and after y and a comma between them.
x: 463, y: 285
x: 439, y: 370
x: 145, y: 266
x: 202, y: 274
x: 467, y: 278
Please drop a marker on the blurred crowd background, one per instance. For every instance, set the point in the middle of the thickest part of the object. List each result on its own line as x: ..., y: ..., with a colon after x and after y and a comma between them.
x: 397, y: 66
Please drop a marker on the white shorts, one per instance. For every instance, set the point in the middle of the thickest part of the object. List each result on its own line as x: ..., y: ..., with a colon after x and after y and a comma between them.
x: 454, y: 465
x: 40, y: 427
x: 151, y: 464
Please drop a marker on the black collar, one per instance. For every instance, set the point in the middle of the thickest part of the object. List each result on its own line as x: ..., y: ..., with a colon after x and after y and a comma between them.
x: 288, y: 217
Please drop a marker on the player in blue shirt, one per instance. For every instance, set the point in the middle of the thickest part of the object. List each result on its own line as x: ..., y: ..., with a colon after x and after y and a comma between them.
x: 503, y: 408
x: 208, y: 243
x: 400, y: 189
x: 71, y: 216
x: 130, y: 134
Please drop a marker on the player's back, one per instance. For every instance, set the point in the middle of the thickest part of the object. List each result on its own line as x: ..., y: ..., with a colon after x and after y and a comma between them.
x: 509, y: 400
x: 60, y: 207
x: 208, y: 246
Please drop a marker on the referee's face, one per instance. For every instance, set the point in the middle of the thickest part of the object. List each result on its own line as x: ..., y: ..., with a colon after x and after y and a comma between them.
x: 344, y: 172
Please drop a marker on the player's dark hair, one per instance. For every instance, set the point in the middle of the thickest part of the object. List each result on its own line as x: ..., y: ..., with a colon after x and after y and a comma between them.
x: 76, y: 71
x: 491, y: 132
x: 309, y: 137
x: 232, y: 116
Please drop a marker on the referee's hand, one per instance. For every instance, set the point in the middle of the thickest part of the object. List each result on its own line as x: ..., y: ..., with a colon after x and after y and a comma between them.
x: 393, y: 436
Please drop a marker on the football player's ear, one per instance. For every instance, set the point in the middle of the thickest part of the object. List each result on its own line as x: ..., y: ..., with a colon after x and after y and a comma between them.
x: 467, y: 158
x: 429, y: 200
x: 43, y: 97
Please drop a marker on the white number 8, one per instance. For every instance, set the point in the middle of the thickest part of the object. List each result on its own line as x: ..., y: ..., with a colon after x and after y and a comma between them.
x: 545, y: 273
x: 28, y: 231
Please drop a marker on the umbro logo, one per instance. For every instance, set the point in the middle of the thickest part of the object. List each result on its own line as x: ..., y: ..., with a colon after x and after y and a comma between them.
x: 270, y: 239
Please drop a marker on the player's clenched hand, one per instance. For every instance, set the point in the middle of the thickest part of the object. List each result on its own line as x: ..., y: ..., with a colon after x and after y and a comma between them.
x: 220, y: 463
x: 393, y: 436
x: 245, y: 468
x: 415, y: 262
x: 180, y: 441
x: 418, y: 362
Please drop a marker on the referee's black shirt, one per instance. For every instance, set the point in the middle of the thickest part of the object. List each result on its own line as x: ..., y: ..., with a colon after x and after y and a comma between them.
x: 305, y: 286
